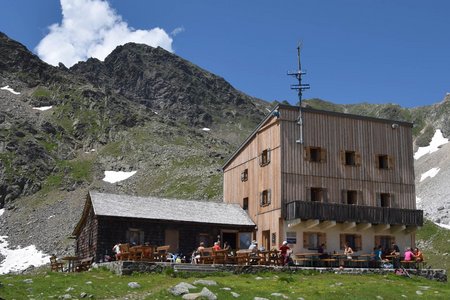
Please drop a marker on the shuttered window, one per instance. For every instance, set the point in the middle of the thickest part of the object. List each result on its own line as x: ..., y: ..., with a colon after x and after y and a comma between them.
x: 264, y: 157
x: 315, y: 194
x: 353, y: 240
x: 384, y: 199
x: 244, y: 175
x: 312, y: 240
x: 265, y: 198
x: 315, y: 154
x: 350, y: 197
x: 384, y: 161
x: 385, y: 241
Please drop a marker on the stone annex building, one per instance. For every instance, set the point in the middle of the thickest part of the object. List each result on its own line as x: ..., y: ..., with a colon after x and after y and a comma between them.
x: 303, y: 175
x: 311, y: 177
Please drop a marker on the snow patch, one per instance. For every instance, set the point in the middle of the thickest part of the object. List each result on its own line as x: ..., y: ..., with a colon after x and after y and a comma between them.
x: 7, y: 88
x: 21, y: 258
x: 206, y: 129
x: 431, y: 173
x: 2, y: 211
x: 113, y: 176
x: 446, y: 226
x: 437, y: 140
x: 42, y: 108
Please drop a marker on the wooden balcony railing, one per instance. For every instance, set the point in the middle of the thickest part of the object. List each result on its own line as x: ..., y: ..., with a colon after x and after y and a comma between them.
x: 352, y: 213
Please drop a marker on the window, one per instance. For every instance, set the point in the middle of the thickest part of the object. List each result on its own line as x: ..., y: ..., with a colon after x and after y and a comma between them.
x: 265, y: 198
x: 315, y: 154
x: 349, y: 197
x: 385, y: 162
x: 353, y: 240
x: 245, y: 239
x: 385, y: 200
x: 350, y: 158
x: 317, y: 194
x: 385, y: 241
x: 135, y: 236
x: 244, y: 175
x: 291, y: 237
x: 312, y: 240
x: 245, y: 203
x: 264, y: 158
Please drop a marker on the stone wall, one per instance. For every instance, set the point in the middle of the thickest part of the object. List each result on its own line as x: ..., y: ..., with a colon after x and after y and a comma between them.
x: 128, y: 267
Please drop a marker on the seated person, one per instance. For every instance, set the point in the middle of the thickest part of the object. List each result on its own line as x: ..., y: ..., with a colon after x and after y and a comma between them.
x: 395, y: 250
x: 253, y: 246
x: 216, y: 246
x: 321, y: 251
x: 377, y: 252
x: 196, y: 254
x: 409, y: 256
x: 348, y: 251
x: 226, y: 246
x: 418, y: 254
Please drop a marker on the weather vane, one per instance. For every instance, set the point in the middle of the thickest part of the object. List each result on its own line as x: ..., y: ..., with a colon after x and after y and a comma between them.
x: 298, y: 74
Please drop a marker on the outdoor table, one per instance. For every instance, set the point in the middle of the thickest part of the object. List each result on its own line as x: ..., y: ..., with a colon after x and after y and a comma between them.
x: 71, y: 261
x: 305, y: 258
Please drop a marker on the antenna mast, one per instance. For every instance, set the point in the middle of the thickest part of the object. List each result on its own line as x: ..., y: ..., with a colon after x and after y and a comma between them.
x: 298, y: 75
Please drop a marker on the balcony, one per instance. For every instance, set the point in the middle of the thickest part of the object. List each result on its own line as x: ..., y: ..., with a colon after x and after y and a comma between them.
x: 352, y: 213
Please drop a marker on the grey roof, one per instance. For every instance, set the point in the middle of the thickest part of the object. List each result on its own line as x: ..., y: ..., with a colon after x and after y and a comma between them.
x: 169, y: 209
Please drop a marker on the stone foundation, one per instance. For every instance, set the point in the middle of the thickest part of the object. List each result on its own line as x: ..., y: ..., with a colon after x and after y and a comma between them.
x: 128, y: 267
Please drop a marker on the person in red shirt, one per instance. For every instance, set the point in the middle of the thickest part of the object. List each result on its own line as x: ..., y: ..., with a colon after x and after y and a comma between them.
x: 216, y: 246
x: 284, y: 248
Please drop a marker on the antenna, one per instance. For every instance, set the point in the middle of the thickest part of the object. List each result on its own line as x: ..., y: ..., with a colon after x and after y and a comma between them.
x: 298, y: 74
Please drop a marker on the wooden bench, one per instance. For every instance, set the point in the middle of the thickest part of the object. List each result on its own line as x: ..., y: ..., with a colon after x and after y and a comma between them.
x: 219, y: 256
x: 124, y: 251
x: 147, y: 253
x: 161, y: 253
x: 84, y: 264
x: 206, y: 256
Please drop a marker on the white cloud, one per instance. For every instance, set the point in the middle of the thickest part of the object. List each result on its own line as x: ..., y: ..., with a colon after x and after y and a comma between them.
x: 177, y: 31
x: 91, y: 28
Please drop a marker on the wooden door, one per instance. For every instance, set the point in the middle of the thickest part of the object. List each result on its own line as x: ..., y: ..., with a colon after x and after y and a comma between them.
x: 172, y: 239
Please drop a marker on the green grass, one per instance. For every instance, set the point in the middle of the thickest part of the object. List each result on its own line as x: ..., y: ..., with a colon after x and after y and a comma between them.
x: 308, y: 285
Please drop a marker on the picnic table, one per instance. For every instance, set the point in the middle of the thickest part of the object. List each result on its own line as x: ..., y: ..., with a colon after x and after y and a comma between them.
x: 71, y: 262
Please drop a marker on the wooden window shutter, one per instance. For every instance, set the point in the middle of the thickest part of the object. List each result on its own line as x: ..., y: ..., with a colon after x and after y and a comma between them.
x: 261, y: 199
x: 344, y: 197
x: 357, y: 158
x: 269, y: 193
x: 308, y: 194
x: 268, y: 155
x: 322, y: 238
x: 305, y: 240
x: 342, y: 240
x: 358, y: 242
x: 342, y: 155
x: 377, y: 241
x: 390, y: 162
x: 323, y: 155
x: 242, y: 176
x: 378, y: 199
x: 307, y: 153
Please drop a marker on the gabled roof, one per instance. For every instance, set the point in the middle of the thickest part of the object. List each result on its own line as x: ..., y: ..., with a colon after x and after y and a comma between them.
x: 152, y: 208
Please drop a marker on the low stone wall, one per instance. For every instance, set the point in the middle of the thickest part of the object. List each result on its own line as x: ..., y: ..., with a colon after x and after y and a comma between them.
x: 128, y: 267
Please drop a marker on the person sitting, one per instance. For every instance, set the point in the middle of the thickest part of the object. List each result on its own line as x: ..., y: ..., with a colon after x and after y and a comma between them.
x: 197, y: 253
x: 216, y: 246
x: 395, y: 250
x: 377, y: 252
x: 226, y: 246
x: 348, y: 251
x: 284, y: 248
x: 321, y: 251
x: 418, y: 255
x: 116, y: 250
x: 253, y: 246
x: 409, y: 256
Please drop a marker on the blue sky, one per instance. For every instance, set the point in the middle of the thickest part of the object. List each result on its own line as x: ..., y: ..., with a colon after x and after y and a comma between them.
x: 379, y: 51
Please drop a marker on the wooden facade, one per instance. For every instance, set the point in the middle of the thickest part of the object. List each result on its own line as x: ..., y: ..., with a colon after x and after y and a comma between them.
x: 325, y: 167
x: 97, y: 234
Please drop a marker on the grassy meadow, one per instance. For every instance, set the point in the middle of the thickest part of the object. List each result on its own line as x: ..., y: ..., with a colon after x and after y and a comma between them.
x: 102, y: 284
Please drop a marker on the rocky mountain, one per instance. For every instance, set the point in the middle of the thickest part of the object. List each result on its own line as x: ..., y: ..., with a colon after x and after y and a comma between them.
x: 142, y: 109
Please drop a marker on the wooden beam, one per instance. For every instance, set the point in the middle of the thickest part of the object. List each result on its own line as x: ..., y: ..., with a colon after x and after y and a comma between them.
x: 363, y: 226
x: 397, y: 228
x: 348, y: 225
x: 293, y: 223
x: 327, y: 224
x: 312, y: 223
x: 382, y: 227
